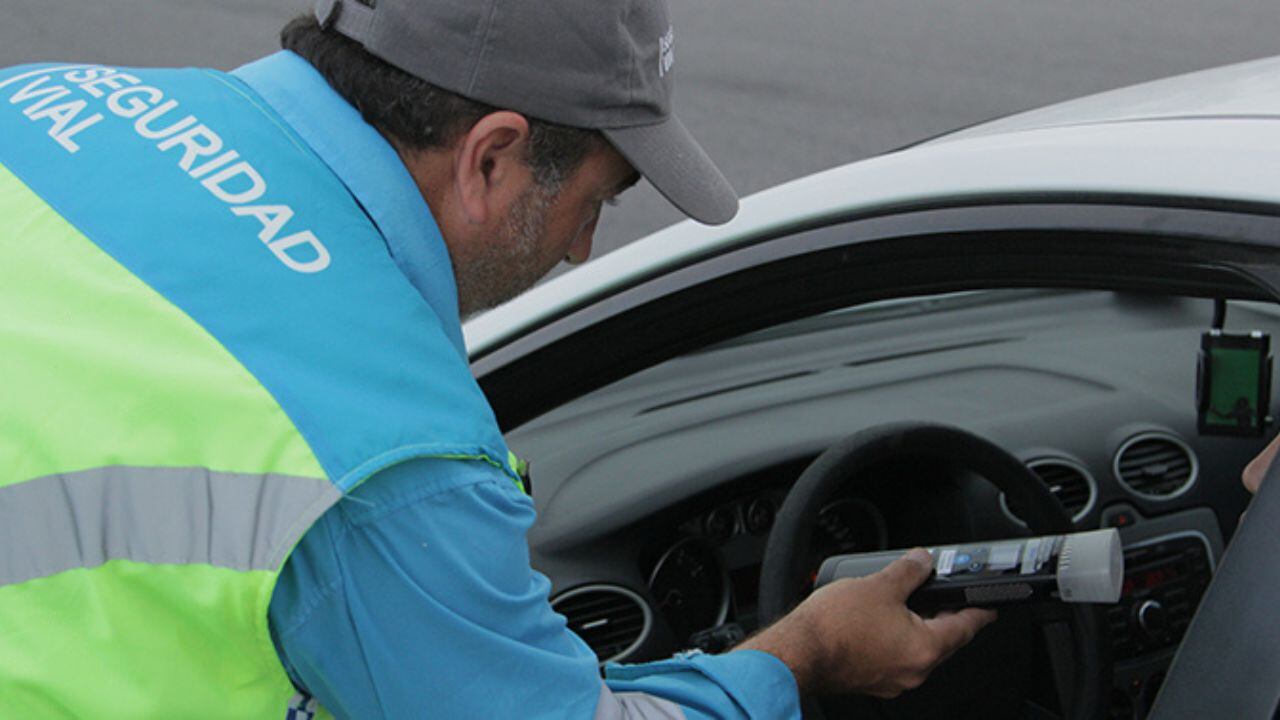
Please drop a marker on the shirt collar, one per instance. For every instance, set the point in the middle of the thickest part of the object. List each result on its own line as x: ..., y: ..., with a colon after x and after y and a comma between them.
x: 370, y: 168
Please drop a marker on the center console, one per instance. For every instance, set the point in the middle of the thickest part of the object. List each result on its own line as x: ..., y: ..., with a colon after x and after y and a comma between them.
x: 1169, y: 561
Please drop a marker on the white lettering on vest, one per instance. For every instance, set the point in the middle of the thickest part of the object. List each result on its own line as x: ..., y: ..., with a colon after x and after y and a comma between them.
x: 227, y: 177
x: 40, y: 71
x: 85, y: 74
x: 134, y: 107
x: 143, y: 124
x: 272, y: 217
x: 60, y: 92
x: 214, y: 164
x: 111, y: 79
x: 190, y: 140
x: 62, y: 115
x: 283, y: 246
x: 216, y: 184
x: 30, y: 91
x: 60, y: 129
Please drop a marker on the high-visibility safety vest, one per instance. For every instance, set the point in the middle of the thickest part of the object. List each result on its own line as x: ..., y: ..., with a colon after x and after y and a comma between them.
x: 203, y: 345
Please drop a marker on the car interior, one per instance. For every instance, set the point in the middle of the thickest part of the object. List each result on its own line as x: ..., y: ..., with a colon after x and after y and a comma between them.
x: 1127, y: 371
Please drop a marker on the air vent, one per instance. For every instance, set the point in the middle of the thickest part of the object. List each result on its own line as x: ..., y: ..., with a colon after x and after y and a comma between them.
x: 1156, y: 466
x: 1069, y: 481
x: 612, y: 620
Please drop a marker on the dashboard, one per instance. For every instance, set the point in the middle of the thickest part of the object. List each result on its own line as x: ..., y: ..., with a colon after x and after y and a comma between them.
x: 657, y: 494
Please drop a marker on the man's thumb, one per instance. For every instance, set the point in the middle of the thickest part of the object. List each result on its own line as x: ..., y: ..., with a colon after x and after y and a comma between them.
x: 909, y: 571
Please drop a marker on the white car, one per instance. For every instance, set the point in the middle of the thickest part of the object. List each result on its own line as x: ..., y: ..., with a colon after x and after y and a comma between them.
x: 1004, y: 324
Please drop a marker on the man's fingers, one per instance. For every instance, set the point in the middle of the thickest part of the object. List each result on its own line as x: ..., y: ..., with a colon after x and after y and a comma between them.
x: 953, y: 631
x: 908, y: 572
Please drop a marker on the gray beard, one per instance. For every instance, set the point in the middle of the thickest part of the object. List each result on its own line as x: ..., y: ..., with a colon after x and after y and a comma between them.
x: 499, y: 271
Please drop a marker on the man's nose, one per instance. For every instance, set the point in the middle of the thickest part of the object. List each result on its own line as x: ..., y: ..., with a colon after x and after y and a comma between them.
x: 580, y: 250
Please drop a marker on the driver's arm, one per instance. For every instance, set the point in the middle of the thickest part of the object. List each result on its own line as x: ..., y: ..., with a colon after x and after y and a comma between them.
x: 415, y: 598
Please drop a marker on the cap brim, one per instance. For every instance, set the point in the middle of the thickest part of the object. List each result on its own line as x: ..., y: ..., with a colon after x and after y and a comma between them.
x: 669, y: 158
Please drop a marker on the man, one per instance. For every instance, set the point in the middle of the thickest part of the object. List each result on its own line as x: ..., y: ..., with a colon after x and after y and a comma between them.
x: 247, y: 466
x: 1257, y: 469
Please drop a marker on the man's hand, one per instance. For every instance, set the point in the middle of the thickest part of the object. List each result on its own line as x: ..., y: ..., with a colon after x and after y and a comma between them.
x: 1257, y: 468
x: 859, y: 636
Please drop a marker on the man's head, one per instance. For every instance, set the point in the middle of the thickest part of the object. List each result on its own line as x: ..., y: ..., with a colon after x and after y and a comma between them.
x: 517, y: 120
x: 505, y: 227
x: 512, y: 195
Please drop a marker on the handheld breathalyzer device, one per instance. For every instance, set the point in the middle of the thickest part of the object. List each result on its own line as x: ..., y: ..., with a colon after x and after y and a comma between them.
x: 1086, y: 567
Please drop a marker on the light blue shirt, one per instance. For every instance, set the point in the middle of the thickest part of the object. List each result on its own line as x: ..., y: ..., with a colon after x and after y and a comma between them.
x: 414, y: 596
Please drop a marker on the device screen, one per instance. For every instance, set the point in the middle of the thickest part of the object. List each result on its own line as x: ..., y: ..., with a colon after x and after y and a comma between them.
x: 1234, y: 384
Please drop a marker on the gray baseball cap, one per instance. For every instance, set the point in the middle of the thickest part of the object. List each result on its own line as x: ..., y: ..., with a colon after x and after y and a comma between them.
x: 598, y: 64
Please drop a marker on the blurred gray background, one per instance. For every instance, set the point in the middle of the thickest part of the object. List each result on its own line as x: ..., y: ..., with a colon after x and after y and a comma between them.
x: 774, y: 89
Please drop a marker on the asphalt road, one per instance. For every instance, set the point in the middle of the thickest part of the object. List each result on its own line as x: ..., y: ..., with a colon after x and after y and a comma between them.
x: 775, y: 89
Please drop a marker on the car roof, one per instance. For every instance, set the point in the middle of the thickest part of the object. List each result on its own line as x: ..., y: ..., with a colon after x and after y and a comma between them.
x: 1249, y: 89
x: 1160, y: 146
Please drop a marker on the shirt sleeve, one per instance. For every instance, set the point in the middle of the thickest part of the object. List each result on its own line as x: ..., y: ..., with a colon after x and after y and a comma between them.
x: 414, y: 597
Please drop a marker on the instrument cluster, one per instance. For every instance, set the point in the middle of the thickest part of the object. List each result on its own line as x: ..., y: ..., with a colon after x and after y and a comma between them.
x: 709, y: 574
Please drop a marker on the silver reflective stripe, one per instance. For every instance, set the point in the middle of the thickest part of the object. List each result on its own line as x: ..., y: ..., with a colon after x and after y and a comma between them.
x: 635, y: 706
x: 154, y: 515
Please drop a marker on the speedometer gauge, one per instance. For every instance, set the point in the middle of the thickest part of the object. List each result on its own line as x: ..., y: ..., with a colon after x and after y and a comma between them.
x: 691, y: 588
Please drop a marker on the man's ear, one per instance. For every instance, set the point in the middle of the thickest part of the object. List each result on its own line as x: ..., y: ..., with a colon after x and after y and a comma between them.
x: 489, y: 165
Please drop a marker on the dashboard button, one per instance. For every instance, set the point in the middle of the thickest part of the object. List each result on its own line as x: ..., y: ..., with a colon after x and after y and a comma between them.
x: 1119, y: 517
x: 1151, y: 618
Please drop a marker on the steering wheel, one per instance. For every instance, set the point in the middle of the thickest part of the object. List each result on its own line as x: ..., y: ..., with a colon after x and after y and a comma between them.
x: 785, y: 581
